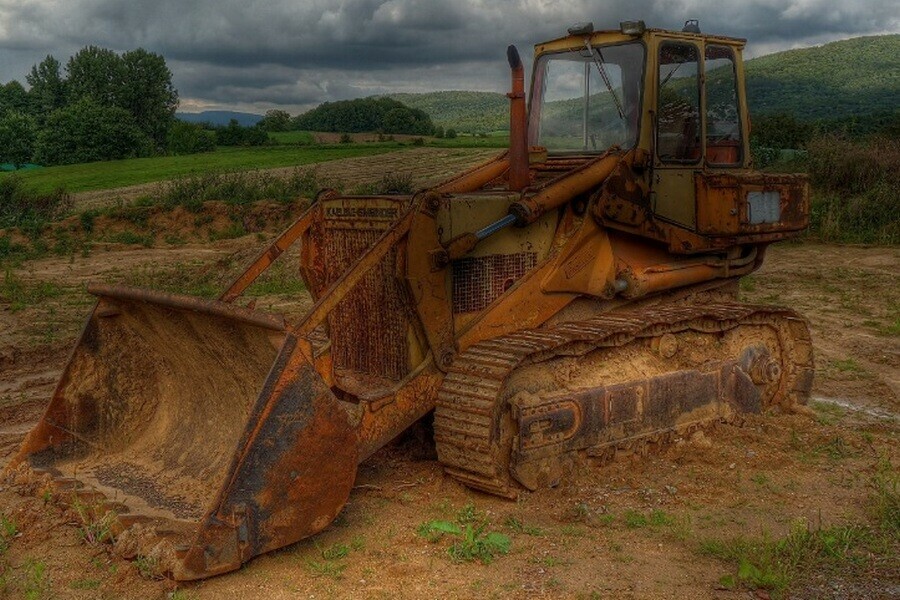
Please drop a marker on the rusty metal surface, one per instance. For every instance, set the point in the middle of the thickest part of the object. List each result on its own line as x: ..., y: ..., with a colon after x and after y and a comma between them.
x: 519, y: 174
x: 187, y: 303
x: 357, y: 287
x: 478, y: 447
x: 129, y: 430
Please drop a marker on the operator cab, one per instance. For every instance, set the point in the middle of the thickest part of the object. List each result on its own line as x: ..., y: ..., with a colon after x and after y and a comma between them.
x: 589, y: 88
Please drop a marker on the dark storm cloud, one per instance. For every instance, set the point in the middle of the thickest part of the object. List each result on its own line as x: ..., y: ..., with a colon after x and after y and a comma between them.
x: 295, y: 54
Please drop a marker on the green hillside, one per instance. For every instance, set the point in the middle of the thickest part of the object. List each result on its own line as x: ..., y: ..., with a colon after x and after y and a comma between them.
x: 474, y: 112
x: 859, y: 77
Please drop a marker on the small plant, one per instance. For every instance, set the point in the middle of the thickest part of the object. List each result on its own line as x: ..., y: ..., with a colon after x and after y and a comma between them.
x: 345, y: 138
x: 36, y: 583
x: 326, y: 568
x: 885, y: 498
x: 85, y: 584
x: 94, y: 530
x: 517, y: 526
x: 8, y: 531
x: 472, y: 541
x: 336, y: 551
x: 147, y: 566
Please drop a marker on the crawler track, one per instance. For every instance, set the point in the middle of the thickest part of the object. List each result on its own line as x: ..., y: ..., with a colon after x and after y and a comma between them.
x: 476, y: 442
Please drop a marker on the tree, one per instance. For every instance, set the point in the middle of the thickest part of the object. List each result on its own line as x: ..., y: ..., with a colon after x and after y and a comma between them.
x: 17, y: 137
x: 98, y: 74
x: 14, y: 97
x: 88, y: 131
x: 48, y: 88
x: 276, y: 120
x: 148, y: 94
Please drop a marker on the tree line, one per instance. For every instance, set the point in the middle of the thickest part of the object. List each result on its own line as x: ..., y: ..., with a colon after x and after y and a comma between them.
x: 101, y: 106
x: 382, y: 115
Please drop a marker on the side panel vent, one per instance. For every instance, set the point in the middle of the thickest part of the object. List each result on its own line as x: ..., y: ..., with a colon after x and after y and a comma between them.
x: 480, y: 280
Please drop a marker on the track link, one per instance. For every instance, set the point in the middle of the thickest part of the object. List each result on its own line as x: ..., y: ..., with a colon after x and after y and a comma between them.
x: 474, y: 445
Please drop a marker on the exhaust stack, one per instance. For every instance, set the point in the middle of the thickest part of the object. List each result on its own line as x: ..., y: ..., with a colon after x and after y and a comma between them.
x: 518, y: 144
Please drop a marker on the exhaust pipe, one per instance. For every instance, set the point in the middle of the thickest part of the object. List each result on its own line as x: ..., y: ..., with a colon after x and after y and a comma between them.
x: 518, y: 144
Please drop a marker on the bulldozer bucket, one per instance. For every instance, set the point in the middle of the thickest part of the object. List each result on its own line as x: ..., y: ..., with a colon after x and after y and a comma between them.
x: 202, y: 427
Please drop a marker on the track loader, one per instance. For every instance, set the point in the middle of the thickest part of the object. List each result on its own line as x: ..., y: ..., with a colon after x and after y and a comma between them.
x: 568, y: 300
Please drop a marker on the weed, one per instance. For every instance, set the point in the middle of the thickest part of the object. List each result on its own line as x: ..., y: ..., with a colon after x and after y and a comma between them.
x: 84, y: 584
x: 37, y: 585
x: 885, y: 498
x: 572, y: 531
x: 182, y: 595
x: 517, y: 526
x: 848, y: 365
x: 87, y: 221
x: 335, y: 552
x: 7, y: 533
x: 234, y: 230
x: 773, y: 564
x: 748, y: 284
x: 326, y: 569
x: 147, y: 566
x: 130, y: 238
x: 19, y: 294
x: 835, y: 449
x: 472, y: 541
x: 30, y: 211
x: 94, y: 530
x: 174, y: 239
x: 389, y: 184
x: 760, y: 479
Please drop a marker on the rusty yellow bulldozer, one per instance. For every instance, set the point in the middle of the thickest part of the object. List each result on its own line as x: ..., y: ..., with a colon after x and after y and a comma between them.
x: 573, y: 298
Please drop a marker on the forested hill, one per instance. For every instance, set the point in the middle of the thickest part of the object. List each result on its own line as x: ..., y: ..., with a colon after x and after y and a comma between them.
x: 477, y: 112
x: 856, y: 77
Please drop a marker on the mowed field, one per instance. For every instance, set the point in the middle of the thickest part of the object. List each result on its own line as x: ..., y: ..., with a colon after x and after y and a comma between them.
x: 795, y: 505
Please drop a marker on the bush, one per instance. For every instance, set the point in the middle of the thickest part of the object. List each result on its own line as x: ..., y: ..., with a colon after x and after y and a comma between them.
x: 235, y: 135
x: 21, y: 207
x: 345, y: 138
x: 450, y: 133
x: 189, y: 138
x: 17, y: 137
x: 87, y: 131
x: 236, y: 188
x: 857, y: 186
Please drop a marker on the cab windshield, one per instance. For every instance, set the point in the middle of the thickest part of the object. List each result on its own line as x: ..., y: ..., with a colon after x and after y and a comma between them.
x: 587, y: 100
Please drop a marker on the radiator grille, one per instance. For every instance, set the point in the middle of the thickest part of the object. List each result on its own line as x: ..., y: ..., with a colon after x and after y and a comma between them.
x: 480, y: 280
x: 368, y: 327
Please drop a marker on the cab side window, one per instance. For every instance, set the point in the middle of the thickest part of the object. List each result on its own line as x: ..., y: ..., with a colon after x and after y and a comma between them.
x: 723, y: 125
x: 678, y: 111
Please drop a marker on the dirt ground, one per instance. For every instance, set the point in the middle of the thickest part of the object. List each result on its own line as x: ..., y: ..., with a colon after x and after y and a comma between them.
x: 632, y: 529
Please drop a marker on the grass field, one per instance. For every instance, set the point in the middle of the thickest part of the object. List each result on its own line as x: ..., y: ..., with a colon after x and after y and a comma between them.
x: 120, y: 173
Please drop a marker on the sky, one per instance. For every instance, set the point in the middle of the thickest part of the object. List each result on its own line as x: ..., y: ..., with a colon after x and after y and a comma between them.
x: 255, y: 55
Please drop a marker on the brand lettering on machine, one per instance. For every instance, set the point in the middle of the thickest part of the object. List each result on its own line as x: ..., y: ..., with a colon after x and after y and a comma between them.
x: 361, y: 212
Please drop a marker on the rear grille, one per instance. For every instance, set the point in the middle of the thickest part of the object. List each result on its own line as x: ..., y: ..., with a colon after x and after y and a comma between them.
x: 479, y: 281
x: 368, y: 327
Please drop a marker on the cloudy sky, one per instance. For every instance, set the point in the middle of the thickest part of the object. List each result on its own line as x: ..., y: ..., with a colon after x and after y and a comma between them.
x: 255, y: 55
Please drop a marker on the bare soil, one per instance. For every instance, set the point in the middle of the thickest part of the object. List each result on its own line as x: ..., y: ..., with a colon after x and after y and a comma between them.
x: 581, y: 540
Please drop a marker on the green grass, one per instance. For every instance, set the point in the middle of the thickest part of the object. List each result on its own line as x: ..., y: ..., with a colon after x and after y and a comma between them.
x: 19, y: 294
x: 119, y: 173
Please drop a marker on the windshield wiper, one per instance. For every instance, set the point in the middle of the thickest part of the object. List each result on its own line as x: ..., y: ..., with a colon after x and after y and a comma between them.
x: 605, y: 77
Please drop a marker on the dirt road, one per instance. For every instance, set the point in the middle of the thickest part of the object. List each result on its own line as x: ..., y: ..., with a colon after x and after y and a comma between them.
x: 663, y: 526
